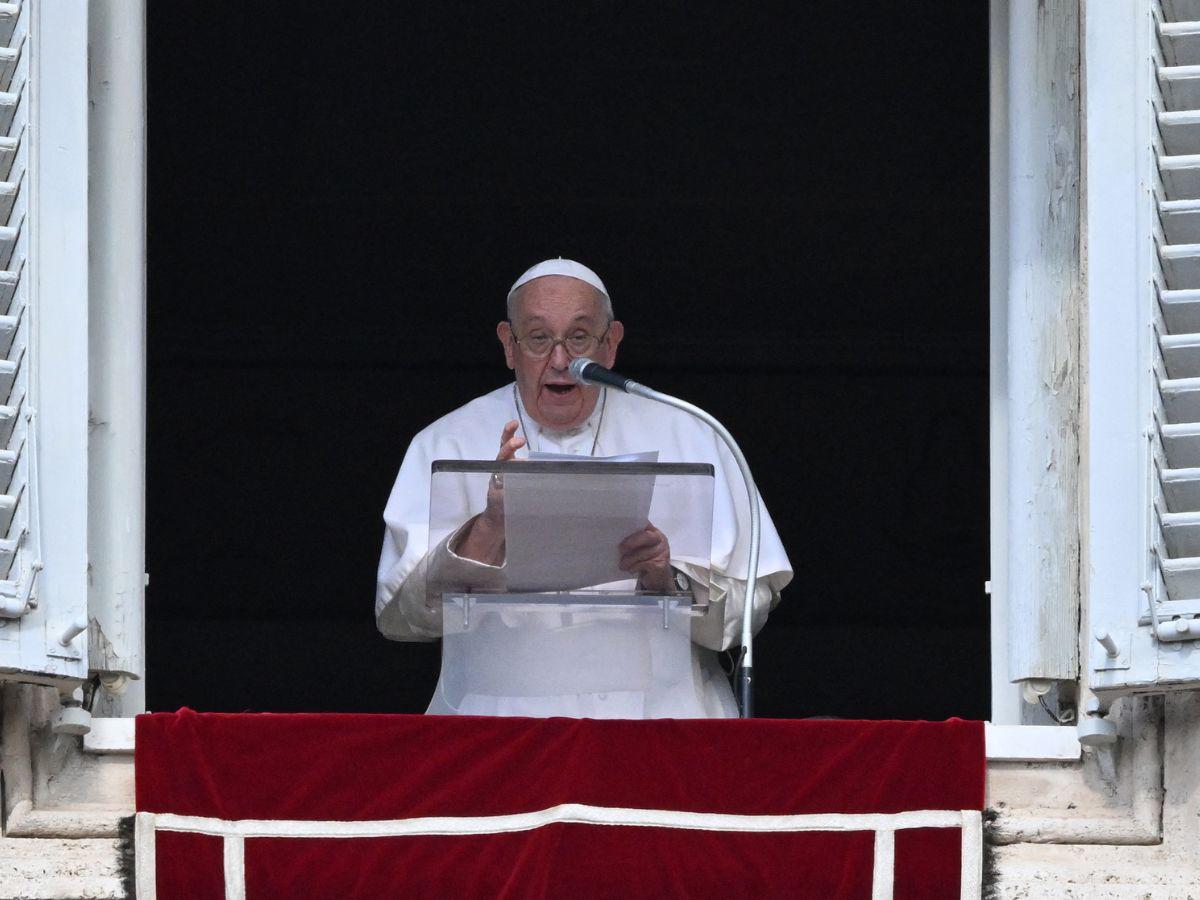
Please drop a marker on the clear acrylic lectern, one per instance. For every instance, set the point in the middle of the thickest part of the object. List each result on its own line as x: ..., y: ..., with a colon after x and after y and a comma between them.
x: 557, y: 628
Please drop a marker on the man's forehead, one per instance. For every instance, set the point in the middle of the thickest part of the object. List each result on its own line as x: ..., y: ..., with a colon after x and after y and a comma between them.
x: 554, y: 295
x: 581, y: 319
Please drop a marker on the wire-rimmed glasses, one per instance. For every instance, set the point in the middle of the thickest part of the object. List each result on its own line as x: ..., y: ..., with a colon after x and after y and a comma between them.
x: 540, y: 344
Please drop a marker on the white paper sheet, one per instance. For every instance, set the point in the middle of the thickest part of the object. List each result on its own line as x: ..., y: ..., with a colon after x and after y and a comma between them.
x: 562, y: 532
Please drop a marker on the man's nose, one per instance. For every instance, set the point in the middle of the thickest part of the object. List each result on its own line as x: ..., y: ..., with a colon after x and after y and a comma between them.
x: 559, y: 357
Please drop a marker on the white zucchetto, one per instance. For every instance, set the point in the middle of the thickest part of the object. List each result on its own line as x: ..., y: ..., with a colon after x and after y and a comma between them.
x: 561, y: 266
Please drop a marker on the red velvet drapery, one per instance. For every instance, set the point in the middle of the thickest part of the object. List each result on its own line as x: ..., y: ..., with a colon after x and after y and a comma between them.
x: 717, y: 788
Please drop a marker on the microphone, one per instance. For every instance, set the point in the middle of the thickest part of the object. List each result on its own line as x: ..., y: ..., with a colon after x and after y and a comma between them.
x: 585, y: 371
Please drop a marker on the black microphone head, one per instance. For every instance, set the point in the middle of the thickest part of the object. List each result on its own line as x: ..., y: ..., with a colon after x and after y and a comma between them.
x: 578, y: 365
x: 588, y: 371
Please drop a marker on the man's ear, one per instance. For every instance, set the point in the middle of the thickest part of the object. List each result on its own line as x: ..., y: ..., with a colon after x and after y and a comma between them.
x: 504, y: 332
x: 616, y: 331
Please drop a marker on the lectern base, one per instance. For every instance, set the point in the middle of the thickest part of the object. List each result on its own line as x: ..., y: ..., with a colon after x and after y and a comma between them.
x: 595, y: 656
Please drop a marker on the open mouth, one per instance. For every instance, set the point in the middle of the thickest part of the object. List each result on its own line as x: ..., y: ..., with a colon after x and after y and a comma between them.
x: 560, y: 390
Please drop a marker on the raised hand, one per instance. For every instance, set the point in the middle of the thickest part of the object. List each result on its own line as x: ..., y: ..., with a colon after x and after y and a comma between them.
x: 509, y: 445
x: 484, y: 540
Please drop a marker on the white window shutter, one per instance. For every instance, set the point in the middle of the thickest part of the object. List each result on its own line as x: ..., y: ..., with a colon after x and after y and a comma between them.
x: 43, y: 339
x: 1143, y: 237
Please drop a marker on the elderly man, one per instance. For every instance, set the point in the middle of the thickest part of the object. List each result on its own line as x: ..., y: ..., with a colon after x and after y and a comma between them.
x: 559, y: 310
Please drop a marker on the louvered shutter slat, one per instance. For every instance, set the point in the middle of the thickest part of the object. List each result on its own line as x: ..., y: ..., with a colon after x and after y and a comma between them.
x: 10, y: 102
x: 1181, y: 399
x: 10, y: 18
x: 1181, y: 354
x: 1181, y: 532
x: 1181, y: 221
x: 9, y: 58
x: 8, y: 153
x: 8, y: 330
x: 1180, y: 10
x: 1181, y: 489
x: 1181, y: 45
x: 1181, y: 262
x: 1180, y: 130
x: 1181, y: 309
x: 1181, y: 85
x: 1182, y: 576
x: 1181, y: 445
x: 1181, y: 175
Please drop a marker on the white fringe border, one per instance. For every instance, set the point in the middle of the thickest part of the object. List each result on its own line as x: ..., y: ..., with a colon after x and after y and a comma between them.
x: 883, y: 825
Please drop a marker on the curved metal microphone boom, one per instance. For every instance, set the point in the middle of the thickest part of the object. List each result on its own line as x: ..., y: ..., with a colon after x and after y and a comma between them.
x: 586, y: 371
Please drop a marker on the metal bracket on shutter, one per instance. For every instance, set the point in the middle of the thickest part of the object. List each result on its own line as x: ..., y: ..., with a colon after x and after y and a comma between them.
x: 1175, y: 630
x: 1170, y: 609
x: 1171, y: 621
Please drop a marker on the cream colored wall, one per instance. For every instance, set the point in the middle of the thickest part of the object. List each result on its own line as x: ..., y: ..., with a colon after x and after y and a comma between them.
x: 1067, y: 831
x: 62, y: 804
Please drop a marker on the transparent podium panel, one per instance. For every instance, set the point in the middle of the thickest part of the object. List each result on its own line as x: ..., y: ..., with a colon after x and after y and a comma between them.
x: 562, y: 523
x: 539, y: 618
x: 622, y: 656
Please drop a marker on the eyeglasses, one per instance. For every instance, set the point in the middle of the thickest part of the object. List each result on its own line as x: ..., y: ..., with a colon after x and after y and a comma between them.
x: 540, y: 344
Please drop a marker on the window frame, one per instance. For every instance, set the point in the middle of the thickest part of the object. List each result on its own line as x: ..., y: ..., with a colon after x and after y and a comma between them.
x: 1008, y: 737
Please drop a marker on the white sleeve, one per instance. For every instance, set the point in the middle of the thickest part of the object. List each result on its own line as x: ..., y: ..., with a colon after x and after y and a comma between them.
x: 405, y: 615
x: 410, y: 614
x: 720, y: 628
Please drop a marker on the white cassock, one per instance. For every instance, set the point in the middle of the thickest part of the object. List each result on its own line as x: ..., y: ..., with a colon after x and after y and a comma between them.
x: 625, y: 424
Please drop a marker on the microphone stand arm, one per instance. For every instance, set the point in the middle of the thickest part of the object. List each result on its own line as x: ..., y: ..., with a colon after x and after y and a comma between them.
x: 746, y: 667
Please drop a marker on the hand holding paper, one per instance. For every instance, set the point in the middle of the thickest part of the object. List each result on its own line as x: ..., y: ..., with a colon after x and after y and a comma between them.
x: 648, y: 553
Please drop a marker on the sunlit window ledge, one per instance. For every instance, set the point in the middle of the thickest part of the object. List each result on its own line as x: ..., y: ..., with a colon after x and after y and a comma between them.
x: 1032, y: 743
x: 109, y: 736
x: 1005, y: 743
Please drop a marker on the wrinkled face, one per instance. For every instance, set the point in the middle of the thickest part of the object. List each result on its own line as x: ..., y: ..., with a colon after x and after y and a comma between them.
x: 557, y: 306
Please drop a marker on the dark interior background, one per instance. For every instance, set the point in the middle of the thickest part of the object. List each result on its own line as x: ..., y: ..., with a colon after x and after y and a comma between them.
x: 787, y: 202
